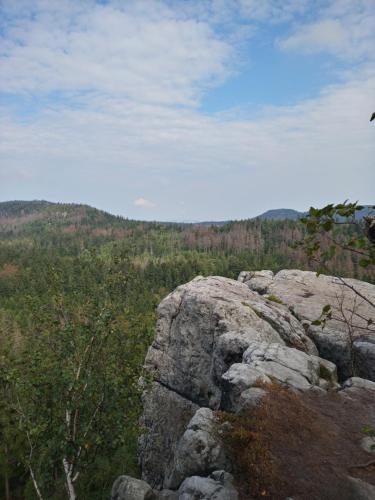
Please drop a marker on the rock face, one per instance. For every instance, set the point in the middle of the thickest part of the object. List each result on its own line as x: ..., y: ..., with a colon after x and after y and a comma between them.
x: 306, y: 294
x: 218, y: 341
x: 203, y: 328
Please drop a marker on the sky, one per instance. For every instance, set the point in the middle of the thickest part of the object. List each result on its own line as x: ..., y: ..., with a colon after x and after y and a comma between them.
x: 187, y: 110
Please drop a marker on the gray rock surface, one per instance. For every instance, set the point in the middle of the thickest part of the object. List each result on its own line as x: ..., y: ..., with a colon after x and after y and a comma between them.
x: 216, y: 487
x: 335, y: 346
x: 165, y: 416
x: 235, y: 381
x: 359, y: 383
x: 194, y: 317
x: 199, y: 451
x: 249, y: 399
x: 283, y: 364
x: 306, y: 294
x: 128, y: 488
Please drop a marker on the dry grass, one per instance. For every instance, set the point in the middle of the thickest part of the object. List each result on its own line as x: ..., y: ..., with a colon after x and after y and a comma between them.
x: 300, y: 445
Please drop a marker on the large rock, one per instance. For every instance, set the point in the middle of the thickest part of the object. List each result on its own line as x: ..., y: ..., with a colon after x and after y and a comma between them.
x: 194, y: 317
x: 199, y: 451
x: 216, y: 487
x: 359, y: 383
x: 306, y: 294
x: 285, y: 365
x: 238, y: 379
x: 203, y: 329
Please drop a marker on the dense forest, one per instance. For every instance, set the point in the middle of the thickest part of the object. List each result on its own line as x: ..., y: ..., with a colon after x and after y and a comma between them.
x: 78, y: 293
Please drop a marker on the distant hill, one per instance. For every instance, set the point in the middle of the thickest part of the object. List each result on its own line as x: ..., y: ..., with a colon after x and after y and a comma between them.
x: 281, y: 214
x: 21, y: 216
x: 28, y: 217
x: 290, y: 214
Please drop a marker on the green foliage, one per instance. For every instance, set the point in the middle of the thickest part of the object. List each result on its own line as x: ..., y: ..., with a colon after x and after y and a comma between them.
x: 275, y: 298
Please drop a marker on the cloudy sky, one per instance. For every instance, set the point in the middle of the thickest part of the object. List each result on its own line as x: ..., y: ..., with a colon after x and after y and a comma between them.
x: 187, y: 110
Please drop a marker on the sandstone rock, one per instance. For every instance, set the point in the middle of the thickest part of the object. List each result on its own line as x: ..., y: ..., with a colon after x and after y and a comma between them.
x: 229, y: 349
x: 359, y: 383
x: 286, y: 365
x: 207, y: 488
x: 199, y: 451
x: 165, y: 417
x: 128, y: 488
x: 235, y: 381
x: 259, y: 281
x: 306, y: 294
x: 194, y: 317
x: 327, y: 371
x: 191, y: 320
x: 284, y: 322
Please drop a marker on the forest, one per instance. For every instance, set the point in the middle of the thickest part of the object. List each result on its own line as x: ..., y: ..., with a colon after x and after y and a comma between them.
x: 79, y: 290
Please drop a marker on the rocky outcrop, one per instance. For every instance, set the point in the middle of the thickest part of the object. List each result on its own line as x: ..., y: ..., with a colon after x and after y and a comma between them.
x: 346, y: 338
x: 218, y: 343
x: 203, y: 328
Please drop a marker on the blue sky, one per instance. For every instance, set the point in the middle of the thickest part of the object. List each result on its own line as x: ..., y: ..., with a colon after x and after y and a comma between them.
x: 187, y: 110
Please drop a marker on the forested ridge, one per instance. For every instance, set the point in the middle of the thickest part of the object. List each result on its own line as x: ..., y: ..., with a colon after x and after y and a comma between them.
x: 78, y: 292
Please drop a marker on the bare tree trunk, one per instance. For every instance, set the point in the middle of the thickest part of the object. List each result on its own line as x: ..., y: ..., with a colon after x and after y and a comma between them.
x: 36, y: 487
x: 68, y: 469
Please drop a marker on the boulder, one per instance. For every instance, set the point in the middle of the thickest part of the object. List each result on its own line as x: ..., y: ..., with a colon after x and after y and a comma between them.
x: 283, y: 364
x: 199, y: 451
x: 216, y: 487
x: 235, y: 381
x: 359, y: 383
x: 128, y: 488
x: 250, y: 399
x: 194, y: 317
x: 306, y: 294
x: 190, y: 322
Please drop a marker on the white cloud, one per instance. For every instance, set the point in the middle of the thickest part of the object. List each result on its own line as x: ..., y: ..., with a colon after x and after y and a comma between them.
x: 143, y: 203
x: 329, y: 35
x: 344, y: 29
x: 142, y: 51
